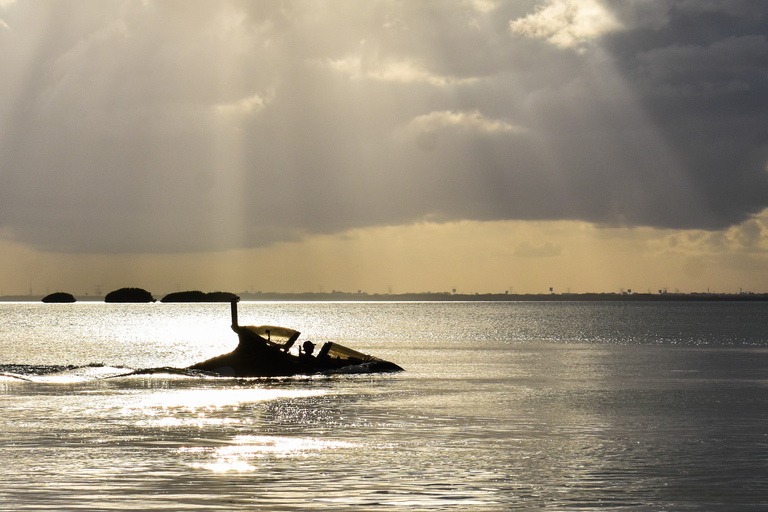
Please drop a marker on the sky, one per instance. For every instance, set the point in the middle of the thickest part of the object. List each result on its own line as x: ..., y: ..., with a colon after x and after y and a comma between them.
x: 384, y: 146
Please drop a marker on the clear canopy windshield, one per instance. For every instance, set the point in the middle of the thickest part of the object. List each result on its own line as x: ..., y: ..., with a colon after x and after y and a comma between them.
x: 336, y: 351
x: 274, y: 334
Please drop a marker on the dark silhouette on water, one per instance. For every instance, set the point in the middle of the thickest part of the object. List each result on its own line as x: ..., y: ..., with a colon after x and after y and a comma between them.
x: 59, y: 298
x: 198, y: 296
x: 263, y: 351
x: 132, y: 295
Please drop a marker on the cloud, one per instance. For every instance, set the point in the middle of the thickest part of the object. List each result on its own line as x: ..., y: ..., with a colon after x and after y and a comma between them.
x: 483, y: 5
x: 529, y: 250
x: 247, y: 106
x: 567, y: 23
x: 392, y: 71
x: 728, y: 66
x: 472, y: 121
x: 165, y: 127
x: 748, y: 238
x: 428, y: 129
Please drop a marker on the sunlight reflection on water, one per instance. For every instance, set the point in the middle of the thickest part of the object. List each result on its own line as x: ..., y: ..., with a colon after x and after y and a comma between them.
x: 244, y: 448
x: 204, y: 408
x: 214, y: 399
x: 479, y: 421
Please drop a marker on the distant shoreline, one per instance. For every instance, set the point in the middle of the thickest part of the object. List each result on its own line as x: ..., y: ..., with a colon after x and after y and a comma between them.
x: 458, y: 297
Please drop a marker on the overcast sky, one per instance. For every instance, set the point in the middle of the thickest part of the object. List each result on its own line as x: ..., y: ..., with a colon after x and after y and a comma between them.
x: 160, y: 127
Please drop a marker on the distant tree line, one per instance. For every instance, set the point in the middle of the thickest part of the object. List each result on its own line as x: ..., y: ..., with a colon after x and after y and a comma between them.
x: 140, y: 295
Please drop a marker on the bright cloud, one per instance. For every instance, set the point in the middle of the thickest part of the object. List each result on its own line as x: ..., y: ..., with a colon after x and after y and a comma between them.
x: 392, y: 71
x: 472, y: 121
x: 567, y: 23
x: 483, y: 6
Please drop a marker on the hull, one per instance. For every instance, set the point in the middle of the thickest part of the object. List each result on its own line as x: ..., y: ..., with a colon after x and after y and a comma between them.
x: 240, y: 363
x: 243, y: 362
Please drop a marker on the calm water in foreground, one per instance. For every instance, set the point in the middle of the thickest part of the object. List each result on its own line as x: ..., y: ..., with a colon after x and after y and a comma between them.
x: 504, y: 406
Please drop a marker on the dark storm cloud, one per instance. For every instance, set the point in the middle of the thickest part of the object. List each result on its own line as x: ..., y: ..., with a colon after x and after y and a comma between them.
x: 159, y: 126
x: 701, y: 75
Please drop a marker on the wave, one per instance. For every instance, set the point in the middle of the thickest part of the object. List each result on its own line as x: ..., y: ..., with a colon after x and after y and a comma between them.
x: 73, y: 374
x: 94, y: 371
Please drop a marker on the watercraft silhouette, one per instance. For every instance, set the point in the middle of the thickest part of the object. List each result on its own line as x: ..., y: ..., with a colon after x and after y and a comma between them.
x: 265, y: 351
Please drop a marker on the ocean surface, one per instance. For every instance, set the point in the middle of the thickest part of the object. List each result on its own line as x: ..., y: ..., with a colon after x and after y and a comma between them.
x: 503, y: 406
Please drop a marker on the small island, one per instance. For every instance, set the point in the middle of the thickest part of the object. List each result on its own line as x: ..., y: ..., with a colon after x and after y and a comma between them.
x: 133, y: 295
x: 198, y: 296
x: 59, y: 298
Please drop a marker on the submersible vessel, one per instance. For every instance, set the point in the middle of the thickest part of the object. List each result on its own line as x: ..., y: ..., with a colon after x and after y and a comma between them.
x: 264, y: 351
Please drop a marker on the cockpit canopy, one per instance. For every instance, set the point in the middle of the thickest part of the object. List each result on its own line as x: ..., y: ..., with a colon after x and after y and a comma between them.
x: 282, y: 337
x: 339, y: 352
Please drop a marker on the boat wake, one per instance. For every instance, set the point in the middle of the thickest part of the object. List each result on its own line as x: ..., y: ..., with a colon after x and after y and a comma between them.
x: 64, y: 374
x: 73, y: 374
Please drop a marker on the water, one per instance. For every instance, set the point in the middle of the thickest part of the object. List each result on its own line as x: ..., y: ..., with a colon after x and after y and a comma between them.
x: 504, y: 406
